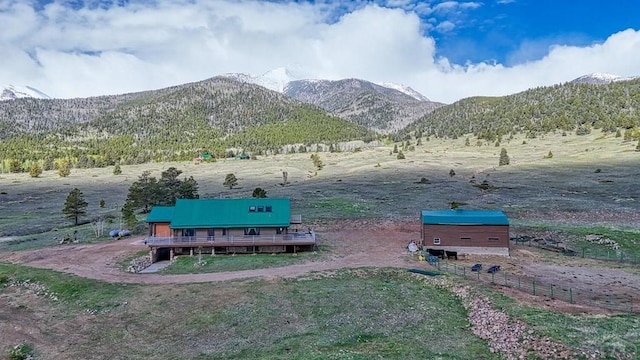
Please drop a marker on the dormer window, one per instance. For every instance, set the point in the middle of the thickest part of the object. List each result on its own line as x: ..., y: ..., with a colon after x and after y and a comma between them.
x: 260, y: 208
x: 252, y: 209
x: 268, y: 208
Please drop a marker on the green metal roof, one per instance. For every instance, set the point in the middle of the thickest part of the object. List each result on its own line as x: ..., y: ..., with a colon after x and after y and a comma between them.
x: 231, y: 213
x: 464, y: 217
x: 160, y: 214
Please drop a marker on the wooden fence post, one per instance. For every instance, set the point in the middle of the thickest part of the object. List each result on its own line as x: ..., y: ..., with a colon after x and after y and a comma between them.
x: 570, y: 296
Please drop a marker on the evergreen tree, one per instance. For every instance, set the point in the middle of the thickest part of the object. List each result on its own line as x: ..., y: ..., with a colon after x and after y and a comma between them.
x: 64, y: 168
x: 452, y: 173
x: 144, y: 192
x: 259, y: 193
x: 638, y: 146
x: 35, y: 170
x: 316, y: 161
x: 504, y: 158
x: 102, y: 203
x: 230, y: 180
x: 467, y: 142
x: 129, y: 215
x: 75, y: 206
x: 400, y: 155
x: 116, y: 169
x: 395, y: 148
x: 15, y: 166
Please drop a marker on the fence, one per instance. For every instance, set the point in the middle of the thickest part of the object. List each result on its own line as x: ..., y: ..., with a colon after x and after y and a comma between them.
x: 585, y: 252
x: 617, y: 302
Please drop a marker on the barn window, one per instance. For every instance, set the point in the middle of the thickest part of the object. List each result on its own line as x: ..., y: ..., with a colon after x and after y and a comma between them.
x: 494, y: 239
x: 465, y: 238
x: 436, y: 241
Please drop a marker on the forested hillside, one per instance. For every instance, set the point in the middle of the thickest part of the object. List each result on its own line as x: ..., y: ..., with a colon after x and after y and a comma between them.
x: 567, y: 107
x: 376, y: 107
x: 173, y: 124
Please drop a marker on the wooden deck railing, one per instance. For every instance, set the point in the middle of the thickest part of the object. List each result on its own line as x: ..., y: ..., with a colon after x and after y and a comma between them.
x: 226, y: 240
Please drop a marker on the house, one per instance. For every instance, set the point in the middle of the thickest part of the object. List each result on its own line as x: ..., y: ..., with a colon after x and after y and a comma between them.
x: 466, y: 231
x: 226, y: 226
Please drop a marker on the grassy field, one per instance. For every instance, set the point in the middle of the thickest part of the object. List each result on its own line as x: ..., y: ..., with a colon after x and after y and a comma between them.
x: 209, y: 264
x: 351, y: 314
x: 588, y: 187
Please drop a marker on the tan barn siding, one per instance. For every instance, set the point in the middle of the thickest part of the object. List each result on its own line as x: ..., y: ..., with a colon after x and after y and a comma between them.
x: 466, y: 235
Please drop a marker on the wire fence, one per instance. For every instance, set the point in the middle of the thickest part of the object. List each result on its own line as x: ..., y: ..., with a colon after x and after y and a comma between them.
x: 595, y: 298
x: 584, y: 252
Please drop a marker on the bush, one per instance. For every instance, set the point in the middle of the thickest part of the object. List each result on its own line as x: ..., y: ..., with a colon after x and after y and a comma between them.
x: 20, y: 352
x: 400, y: 155
x: 583, y: 130
x: 504, y: 158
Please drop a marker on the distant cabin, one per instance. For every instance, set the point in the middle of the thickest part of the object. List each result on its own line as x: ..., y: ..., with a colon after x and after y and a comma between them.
x: 226, y: 226
x: 466, y: 231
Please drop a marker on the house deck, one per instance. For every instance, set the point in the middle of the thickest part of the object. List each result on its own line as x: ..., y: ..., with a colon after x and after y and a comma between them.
x: 302, y: 238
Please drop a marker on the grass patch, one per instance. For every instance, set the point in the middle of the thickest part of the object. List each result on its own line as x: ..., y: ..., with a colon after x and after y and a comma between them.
x: 221, y: 263
x: 627, y: 238
x: 358, y: 314
x: 340, y: 208
x: 611, y: 335
x: 80, y: 293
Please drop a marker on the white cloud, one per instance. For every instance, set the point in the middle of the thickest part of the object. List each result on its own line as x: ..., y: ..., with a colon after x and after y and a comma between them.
x: 85, y: 52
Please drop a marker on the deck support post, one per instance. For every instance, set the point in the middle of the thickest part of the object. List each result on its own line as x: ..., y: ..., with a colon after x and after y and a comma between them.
x: 191, y: 252
x: 172, y: 254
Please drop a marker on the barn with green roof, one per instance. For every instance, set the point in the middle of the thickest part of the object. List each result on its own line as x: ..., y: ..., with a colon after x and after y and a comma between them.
x: 466, y: 231
x: 226, y: 226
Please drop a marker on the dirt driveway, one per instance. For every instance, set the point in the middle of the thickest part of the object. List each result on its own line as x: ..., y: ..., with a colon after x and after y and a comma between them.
x: 351, y: 244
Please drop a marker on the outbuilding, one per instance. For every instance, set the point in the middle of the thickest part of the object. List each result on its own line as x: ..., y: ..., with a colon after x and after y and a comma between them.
x: 466, y: 231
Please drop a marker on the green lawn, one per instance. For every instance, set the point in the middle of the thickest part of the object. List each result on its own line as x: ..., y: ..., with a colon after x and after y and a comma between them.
x: 220, y: 263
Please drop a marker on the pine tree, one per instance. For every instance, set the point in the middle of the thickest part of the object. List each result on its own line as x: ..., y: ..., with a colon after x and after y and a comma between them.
x: 400, y: 155
x: 395, y: 148
x: 35, y: 170
x: 117, y: 170
x: 452, y: 173
x: 259, y: 193
x: 129, y: 215
x: 64, y: 168
x: 102, y: 203
x: 504, y: 158
x: 75, y: 206
x: 230, y: 180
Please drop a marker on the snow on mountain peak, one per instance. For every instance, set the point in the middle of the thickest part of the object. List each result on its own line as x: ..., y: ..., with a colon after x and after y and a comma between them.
x: 275, y: 79
x: 406, y: 90
x: 13, y: 92
x: 601, y: 78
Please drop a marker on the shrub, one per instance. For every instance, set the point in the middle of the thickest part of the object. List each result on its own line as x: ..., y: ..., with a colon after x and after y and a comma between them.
x: 504, y: 158
x: 583, y: 130
x: 452, y: 173
x: 400, y: 155
x: 549, y: 155
x: 35, y: 170
x: 20, y: 352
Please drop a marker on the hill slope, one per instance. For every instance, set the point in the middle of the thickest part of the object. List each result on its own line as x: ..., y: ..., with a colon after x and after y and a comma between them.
x: 566, y: 107
x: 173, y: 123
x: 377, y: 107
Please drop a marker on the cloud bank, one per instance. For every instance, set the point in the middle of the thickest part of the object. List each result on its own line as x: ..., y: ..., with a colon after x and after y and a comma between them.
x: 111, y: 48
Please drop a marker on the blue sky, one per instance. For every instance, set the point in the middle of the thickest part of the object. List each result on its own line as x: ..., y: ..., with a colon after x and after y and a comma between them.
x: 446, y: 50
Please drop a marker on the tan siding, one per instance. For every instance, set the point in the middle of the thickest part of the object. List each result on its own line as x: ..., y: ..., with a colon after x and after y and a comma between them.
x: 466, y: 235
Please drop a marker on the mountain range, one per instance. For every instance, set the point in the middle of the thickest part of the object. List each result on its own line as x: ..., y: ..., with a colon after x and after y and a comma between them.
x: 266, y: 113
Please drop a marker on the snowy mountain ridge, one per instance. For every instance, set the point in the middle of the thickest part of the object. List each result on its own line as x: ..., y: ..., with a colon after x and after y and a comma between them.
x: 601, y: 78
x: 12, y: 92
x: 278, y: 79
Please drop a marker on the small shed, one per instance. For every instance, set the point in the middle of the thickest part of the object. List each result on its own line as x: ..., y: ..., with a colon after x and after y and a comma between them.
x: 466, y: 231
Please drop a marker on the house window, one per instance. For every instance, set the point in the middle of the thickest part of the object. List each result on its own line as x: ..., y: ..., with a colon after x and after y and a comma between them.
x: 251, y: 231
x: 252, y: 209
x: 494, y: 239
x: 279, y: 230
x: 210, y: 232
x: 436, y: 241
x: 260, y: 208
x: 188, y: 232
x: 224, y: 231
x: 465, y: 238
x: 268, y: 208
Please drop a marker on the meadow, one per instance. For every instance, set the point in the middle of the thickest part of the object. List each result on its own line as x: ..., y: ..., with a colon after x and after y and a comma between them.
x: 589, y: 186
